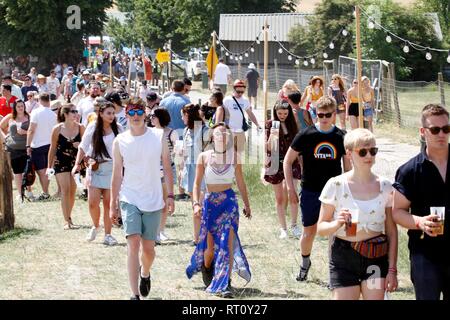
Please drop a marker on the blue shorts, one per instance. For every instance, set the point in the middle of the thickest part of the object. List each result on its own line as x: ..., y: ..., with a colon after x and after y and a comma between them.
x: 39, y: 157
x: 143, y: 223
x: 310, y: 207
x: 368, y: 110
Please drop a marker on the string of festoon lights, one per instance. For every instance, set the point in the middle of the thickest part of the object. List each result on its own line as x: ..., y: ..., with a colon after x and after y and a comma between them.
x: 239, y: 55
x: 407, y: 44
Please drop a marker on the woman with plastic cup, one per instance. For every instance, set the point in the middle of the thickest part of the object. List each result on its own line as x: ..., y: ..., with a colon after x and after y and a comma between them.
x: 279, y: 134
x: 66, y: 137
x: 363, y: 262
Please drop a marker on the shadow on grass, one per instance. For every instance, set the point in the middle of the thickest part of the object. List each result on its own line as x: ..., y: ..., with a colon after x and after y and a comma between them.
x: 253, y: 292
x: 175, y: 242
x: 17, y: 233
x: 256, y: 245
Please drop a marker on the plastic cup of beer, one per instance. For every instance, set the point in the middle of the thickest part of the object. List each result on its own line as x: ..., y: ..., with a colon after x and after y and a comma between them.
x: 351, y: 228
x: 440, y: 212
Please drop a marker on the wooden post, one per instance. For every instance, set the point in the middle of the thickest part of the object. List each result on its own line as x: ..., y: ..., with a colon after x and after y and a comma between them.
x: 441, y: 87
x: 239, y: 69
x: 169, y: 70
x: 277, y: 80
x: 129, y: 71
x: 6, y: 194
x: 266, y: 67
x: 385, y: 95
x: 359, y: 66
x: 394, y: 94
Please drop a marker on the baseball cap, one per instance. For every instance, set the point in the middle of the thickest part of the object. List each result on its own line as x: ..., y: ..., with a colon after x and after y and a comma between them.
x: 238, y: 83
x: 152, y: 96
x: 86, y: 72
x: 114, y: 97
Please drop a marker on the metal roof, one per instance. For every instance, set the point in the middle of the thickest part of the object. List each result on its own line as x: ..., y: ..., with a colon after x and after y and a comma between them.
x: 245, y: 27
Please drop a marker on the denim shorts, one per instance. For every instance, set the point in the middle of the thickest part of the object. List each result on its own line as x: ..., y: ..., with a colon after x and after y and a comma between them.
x: 368, y: 110
x: 143, y: 223
x: 101, y: 178
x: 310, y: 207
x: 348, y: 268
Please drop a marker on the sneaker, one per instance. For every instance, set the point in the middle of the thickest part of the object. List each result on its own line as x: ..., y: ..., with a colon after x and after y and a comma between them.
x: 163, y: 237
x: 283, y: 234
x: 207, y: 274
x: 29, y: 196
x: 92, y: 234
x: 43, y: 196
x: 145, y: 284
x: 109, y: 240
x: 136, y: 297
x: 295, y: 231
x: 303, y: 274
x: 158, y: 239
x: 227, y: 294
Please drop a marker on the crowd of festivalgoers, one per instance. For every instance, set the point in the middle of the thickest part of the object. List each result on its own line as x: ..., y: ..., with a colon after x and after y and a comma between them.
x: 99, y: 139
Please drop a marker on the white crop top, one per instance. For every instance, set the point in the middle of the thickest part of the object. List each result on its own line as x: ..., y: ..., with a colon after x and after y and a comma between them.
x: 372, y: 214
x: 219, y: 174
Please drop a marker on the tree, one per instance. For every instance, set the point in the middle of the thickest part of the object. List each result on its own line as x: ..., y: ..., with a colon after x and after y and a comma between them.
x: 39, y: 28
x: 442, y: 8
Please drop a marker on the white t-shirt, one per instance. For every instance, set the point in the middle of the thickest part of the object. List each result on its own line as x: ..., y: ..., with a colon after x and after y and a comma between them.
x: 45, y: 120
x: 143, y: 92
x: 121, y: 118
x: 52, y: 85
x: 85, y: 107
x: 141, y: 155
x: 236, y: 120
x: 86, y: 141
x: 221, y: 74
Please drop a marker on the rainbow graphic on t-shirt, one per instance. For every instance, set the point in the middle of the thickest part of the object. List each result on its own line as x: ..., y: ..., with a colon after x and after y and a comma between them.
x: 325, y: 151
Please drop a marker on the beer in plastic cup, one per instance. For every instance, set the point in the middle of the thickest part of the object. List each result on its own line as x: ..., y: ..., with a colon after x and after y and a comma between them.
x: 440, y: 212
x: 351, y: 228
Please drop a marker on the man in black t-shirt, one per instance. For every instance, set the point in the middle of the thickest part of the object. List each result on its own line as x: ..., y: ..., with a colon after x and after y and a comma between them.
x: 420, y: 184
x: 322, y: 148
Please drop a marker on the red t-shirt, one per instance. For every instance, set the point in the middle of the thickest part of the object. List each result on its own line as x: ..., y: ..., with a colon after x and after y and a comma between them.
x: 6, y: 107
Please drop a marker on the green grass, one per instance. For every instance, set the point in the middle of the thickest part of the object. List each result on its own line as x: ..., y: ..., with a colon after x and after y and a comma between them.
x: 39, y: 260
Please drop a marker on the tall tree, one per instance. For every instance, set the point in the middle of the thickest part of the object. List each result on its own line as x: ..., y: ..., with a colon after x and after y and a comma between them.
x: 40, y: 28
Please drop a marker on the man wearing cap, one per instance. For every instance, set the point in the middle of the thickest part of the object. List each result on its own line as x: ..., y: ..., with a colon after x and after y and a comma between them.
x: 54, y: 86
x: 27, y: 87
x: 222, y: 76
x: 15, y: 90
x: 86, y: 77
x: 136, y: 167
x: 236, y: 105
x: 252, y: 81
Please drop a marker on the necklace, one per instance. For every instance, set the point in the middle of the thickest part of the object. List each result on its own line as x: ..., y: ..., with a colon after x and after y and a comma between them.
x: 219, y: 152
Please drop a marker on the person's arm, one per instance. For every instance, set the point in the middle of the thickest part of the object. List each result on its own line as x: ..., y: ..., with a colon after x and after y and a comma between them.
x: 391, y: 282
x: 4, y: 124
x: 327, y: 225
x: 349, y: 95
x: 220, y: 114
x: 330, y: 92
x: 402, y: 216
x: 252, y: 117
x: 242, y: 189
x: 53, y: 145
x: 58, y: 89
x: 30, y: 136
x: 85, y: 141
x: 199, y: 173
x: 289, y: 159
x: 167, y: 168
x: 116, y: 181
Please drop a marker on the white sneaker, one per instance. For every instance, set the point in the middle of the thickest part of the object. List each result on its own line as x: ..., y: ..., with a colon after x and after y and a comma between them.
x: 163, y: 237
x: 295, y: 231
x: 283, y: 234
x: 92, y: 234
x: 29, y: 195
x: 109, y: 240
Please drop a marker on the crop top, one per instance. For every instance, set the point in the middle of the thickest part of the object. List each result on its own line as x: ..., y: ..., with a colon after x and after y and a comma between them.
x: 219, y: 174
x: 372, y: 214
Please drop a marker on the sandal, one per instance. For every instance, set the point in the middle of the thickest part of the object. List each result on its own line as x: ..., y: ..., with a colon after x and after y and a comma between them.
x: 67, y: 226
x: 303, y: 274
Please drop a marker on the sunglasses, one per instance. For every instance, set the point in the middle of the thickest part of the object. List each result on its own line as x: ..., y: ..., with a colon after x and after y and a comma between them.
x: 74, y: 111
x: 436, y: 130
x: 363, y: 151
x: 139, y: 112
x: 325, y: 115
x: 240, y: 92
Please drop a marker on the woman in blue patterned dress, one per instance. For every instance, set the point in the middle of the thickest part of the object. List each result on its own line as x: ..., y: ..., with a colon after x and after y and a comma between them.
x: 219, y: 238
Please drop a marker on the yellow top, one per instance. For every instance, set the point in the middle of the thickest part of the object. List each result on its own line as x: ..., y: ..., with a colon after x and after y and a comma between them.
x: 314, y: 96
x: 353, y: 99
x: 368, y: 98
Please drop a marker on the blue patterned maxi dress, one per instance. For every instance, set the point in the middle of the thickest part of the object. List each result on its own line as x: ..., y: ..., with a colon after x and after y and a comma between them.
x: 220, y: 213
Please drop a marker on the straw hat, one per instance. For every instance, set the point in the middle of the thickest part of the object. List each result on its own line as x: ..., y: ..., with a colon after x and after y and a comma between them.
x: 316, y: 78
x: 41, y: 76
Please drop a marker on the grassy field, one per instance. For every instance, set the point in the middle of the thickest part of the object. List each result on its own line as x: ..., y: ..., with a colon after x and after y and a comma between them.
x: 39, y: 260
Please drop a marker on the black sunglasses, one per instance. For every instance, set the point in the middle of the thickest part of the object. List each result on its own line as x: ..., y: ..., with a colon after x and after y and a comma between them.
x: 325, y: 115
x: 363, y: 151
x: 73, y: 111
x: 240, y: 92
x: 436, y: 130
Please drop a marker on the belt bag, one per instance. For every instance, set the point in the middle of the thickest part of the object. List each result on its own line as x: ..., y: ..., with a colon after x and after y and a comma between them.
x: 372, y: 248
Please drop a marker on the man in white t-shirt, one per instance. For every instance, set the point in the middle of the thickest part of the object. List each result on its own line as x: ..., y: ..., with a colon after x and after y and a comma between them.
x: 222, y: 76
x: 134, y: 187
x: 39, y: 135
x: 54, y: 86
x: 236, y: 105
x: 86, y: 105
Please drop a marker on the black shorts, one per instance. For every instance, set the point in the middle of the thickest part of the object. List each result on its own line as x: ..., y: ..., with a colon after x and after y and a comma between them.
x: 353, y: 109
x: 39, y: 157
x: 18, y: 163
x: 348, y: 268
x: 310, y: 207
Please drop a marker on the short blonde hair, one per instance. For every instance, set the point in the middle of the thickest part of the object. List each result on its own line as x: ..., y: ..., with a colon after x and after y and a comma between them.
x: 358, y: 138
x: 326, y: 103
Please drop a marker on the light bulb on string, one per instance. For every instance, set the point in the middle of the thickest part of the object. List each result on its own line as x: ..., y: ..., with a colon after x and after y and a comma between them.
x: 371, y: 24
x: 325, y: 54
x: 227, y: 54
x: 388, y: 39
x: 297, y: 62
x: 231, y: 57
x: 313, y: 61
x: 222, y: 48
x: 240, y: 58
x: 206, y: 47
x: 252, y: 49
x: 280, y: 51
x: 405, y: 48
x: 344, y: 32
x: 305, y: 62
x: 289, y: 57
x: 428, y: 55
x: 331, y: 45
x: 246, y: 54
x: 257, y: 40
